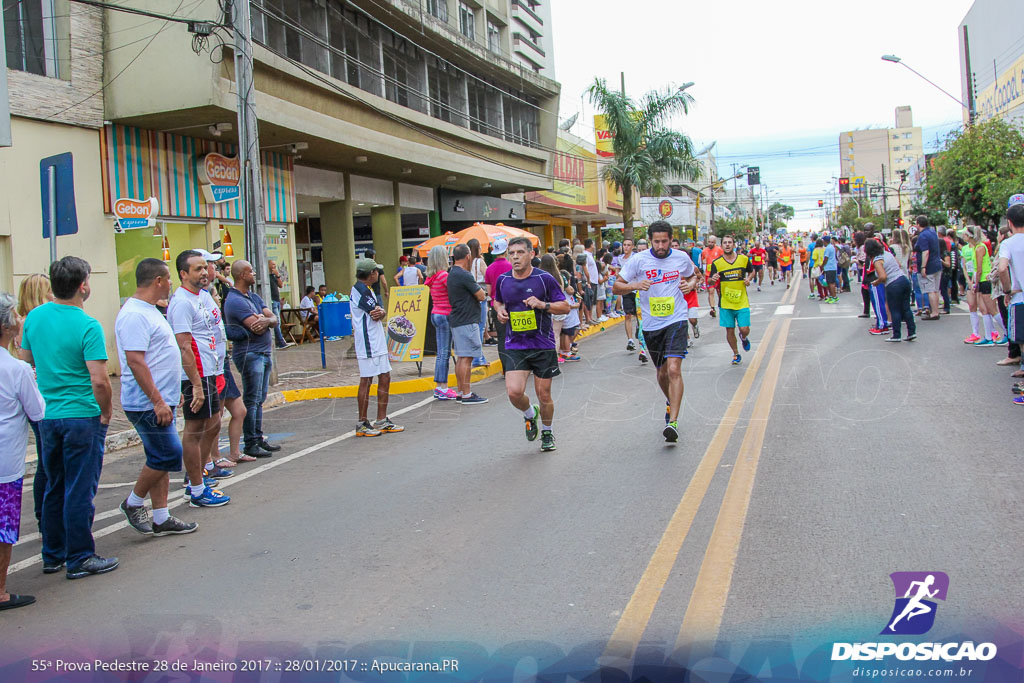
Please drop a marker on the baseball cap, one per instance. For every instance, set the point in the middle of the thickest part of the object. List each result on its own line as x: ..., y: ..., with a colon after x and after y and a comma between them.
x: 367, y: 265
x: 1015, y: 199
x: 210, y: 256
x: 499, y: 246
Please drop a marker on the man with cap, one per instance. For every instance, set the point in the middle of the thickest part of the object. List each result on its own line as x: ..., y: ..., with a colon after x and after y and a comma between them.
x: 371, y: 346
x: 500, y: 266
x: 830, y: 267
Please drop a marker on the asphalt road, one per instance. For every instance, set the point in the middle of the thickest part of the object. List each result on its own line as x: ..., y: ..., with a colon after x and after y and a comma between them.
x: 826, y: 461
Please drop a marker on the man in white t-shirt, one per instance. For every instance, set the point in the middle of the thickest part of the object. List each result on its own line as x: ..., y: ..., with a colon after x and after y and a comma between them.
x: 307, y: 307
x: 593, y: 277
x: 1010, y: 267
x: 371, y: 347
x: 662, y: 276
x: 150, y: 391
x: 194, y: 319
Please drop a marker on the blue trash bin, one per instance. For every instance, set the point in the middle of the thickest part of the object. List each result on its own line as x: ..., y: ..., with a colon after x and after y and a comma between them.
x: 335, y: 319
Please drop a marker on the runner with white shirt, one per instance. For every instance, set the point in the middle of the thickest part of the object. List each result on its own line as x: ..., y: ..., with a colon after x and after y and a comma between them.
x: 662, y: 277
x: 150, y: 389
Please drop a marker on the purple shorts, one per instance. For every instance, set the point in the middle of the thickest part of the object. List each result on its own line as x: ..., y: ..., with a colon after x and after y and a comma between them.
x: 10, y: 511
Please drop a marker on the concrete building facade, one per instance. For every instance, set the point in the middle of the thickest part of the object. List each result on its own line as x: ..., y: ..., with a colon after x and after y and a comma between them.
x: 875, y: 158
x: 992, y: 60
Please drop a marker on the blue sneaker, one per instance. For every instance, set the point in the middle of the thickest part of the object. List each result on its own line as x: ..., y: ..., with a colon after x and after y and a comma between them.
x: 736, y: 359
x: 208, y: 480
x: 209, y: 499
x: 219, y: 473
x: 985, y: 342
x: 746, y: 343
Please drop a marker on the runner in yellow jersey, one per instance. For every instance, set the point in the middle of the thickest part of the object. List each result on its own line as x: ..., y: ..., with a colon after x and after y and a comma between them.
x: 732, y: 273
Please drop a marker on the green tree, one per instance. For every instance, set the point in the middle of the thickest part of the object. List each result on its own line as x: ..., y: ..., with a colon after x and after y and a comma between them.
x: 739, y: 228
x: 779, y: 213
x: 978, y: 170
x: 921, y: 207
x: 645, y: 150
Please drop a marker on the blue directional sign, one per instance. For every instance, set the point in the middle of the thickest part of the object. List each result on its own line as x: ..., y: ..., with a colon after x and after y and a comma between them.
x: 67, y: 216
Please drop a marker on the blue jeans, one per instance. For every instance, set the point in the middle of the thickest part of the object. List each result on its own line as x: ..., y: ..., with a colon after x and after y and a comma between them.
x: 444, y: 347
x: 73, y: 458
x: 160, y: 444
x: 919, y: 298
x: 254, y: 367
x: 275, y: 306
x: 483, y: 328
x: 897, y: 293
x: 39, y: 481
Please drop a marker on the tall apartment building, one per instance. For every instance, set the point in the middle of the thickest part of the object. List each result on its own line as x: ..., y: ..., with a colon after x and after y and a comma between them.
x: 879, y: 155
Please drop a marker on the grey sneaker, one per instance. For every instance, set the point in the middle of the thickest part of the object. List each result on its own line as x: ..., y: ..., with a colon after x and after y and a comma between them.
x: 547, y: 441
x: 93, y: 565
x: 173, y: 525
x: 366, y: 429
x: 138, y: 517
x: 471, y: 399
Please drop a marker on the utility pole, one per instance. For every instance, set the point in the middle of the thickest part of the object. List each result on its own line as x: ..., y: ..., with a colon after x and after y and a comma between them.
x: 885, y: 203
x: 249, y: 148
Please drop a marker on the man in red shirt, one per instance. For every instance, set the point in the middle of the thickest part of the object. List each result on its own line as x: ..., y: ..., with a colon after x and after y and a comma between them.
x: 710, y: 253
x: 757, y: 258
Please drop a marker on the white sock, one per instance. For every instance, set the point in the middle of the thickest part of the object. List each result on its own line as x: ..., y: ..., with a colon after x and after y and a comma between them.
x: 160, y: 515
x: 989, y: 326
x: 196, y: 490
x: 209, y: 466
x: 528, y: 413
x: 998, y: 320
x: 545, y: 428
x: 134, y: 501
x: 975, y: 320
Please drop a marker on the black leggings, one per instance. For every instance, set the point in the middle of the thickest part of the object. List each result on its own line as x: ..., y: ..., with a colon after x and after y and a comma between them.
x: 1012, y: 349
x: 865, y: 293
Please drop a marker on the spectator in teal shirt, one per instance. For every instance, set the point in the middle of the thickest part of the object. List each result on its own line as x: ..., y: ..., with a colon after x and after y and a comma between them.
x: 68, y: 350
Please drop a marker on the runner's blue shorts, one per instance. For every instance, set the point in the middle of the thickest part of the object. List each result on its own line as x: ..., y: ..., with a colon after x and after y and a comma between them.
x: 730, y: 317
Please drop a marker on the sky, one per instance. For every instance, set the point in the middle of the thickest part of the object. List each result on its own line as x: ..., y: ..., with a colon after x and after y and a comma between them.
x: 774, y: 82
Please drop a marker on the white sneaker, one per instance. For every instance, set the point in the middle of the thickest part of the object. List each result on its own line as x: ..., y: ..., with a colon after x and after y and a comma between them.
x: 603, y: 319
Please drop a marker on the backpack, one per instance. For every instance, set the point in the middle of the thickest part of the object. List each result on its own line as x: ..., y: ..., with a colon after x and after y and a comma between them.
x: 843, y: 260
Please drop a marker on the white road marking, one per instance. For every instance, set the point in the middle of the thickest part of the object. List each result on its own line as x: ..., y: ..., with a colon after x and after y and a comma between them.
x: 786, y: 309
x: 177, y: 501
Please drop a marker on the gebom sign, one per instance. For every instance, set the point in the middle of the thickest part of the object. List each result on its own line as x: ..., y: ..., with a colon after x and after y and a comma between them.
x: 219, y: 177
x: 132, y: 213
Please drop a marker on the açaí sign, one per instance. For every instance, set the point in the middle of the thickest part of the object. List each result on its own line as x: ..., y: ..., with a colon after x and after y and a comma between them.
x: 132, y: 213
x: 219, y: 176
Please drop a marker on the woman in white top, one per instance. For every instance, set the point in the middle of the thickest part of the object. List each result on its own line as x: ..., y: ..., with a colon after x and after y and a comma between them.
x: 20, y: 401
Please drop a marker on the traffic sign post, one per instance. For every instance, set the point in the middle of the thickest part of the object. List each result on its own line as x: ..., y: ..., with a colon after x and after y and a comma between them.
x: 57, y: 189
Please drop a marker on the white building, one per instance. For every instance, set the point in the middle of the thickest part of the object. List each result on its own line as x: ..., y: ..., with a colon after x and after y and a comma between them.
x: 992, y: 59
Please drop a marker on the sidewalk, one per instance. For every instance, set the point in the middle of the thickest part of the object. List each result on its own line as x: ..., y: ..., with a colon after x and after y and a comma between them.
x: 301, y: 377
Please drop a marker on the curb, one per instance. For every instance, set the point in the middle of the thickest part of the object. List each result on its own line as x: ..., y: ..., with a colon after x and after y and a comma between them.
x: 130, y: 437
x: 420, y: 384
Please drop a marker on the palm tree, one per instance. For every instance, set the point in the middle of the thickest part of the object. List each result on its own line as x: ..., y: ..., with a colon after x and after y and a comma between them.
x: 645, y: 150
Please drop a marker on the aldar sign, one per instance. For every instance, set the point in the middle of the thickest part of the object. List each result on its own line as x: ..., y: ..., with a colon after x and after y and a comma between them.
x: 219, y: 176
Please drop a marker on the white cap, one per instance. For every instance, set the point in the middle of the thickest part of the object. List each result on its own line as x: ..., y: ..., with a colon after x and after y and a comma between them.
x: 210, y: 256
x: 499, y: 246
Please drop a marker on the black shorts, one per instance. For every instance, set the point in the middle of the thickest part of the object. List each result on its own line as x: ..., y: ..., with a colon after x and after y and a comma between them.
x: 629, y: 303
x: 985, y: 287
x: 758, y: 268
x: 211, y: 404
x: 541, y: 362
x: 570, y: 332
x: 772, y: 263
x: 830, y: 277
x: 668, y: 342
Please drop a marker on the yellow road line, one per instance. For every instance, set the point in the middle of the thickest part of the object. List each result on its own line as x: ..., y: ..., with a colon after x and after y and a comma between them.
x: 637, y: 614
x: 703, y: 617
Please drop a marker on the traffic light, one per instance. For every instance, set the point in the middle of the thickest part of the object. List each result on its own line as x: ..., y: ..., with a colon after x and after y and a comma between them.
x: 754, y: 175
x: 844, y: 186
x: 903, y: 176
x: 900, y: 222
x: 821, y: 203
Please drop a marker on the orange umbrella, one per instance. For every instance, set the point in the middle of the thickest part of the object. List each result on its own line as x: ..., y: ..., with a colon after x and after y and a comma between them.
x: 485, y: 234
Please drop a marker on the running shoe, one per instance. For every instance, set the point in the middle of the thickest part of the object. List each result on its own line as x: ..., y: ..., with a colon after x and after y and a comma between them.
x: 1001, y: 342
x: 984, y: 342
x: 207, y: 479
x: 174, y: 526
x: 573, y: 358
x: 630, y: 345
x: 547, y: 441
x: 387, y: 426
x: 911, y: 337
x: 209, y: 499
x: 696, y: 331
x: 1019, y: 400
x: 532, y: 423
x: 643, y: 358
x: 366, y: 429
x: 972, y: 339
x: 736, y: 359
x: 995, y: 337
x: 759, y: 288
x: 1018, y: 388
x: 220, y: 473
x: 876, y: 330
x: 746, y: 342
x: 603, y: 319
x: 445, y: 394
x: 671, y: 432
x: 138, y: 518
x: 561, y: 360
x: 574, y: 347
x: 893, y: 339
x: 812, y: 296
x: 471, y: 399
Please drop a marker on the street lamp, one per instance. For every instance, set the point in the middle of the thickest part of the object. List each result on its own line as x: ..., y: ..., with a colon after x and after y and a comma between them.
x: 896, y: 60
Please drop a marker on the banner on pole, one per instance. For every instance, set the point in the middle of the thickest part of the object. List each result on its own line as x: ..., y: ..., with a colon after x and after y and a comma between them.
x: 407, y: 322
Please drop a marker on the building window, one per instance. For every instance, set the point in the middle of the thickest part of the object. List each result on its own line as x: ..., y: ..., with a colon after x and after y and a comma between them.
x: 30, y: 36
x: 484, y: 108
x: 439, y: 9
x: 447, y: 92
x: 403, y: 73
x: 467, y: 21
x: 493, y: 37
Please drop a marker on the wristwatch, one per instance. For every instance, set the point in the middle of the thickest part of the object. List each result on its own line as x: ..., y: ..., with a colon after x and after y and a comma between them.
x: 547, y: 306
